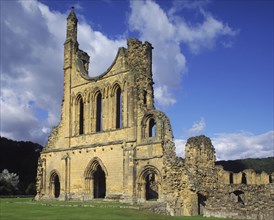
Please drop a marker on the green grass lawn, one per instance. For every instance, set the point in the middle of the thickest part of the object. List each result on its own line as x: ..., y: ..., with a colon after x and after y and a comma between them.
x: 26, y: 209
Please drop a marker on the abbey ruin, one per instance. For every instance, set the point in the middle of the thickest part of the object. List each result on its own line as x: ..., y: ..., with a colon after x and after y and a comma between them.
x: 111, y: 143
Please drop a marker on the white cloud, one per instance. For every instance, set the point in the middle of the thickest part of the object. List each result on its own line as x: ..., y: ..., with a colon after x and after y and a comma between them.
x: 169, y: 62
x: 167, y: 32
x: 163, y: 96
x: 18, y: 118
x: 32, y: 40
x: 203, y: 35
x: 180, y: 147
x: 243, y: 145
x: 100, y: 48
x: 231, y: 146
x: 197, y: 127
x: 178, y: 5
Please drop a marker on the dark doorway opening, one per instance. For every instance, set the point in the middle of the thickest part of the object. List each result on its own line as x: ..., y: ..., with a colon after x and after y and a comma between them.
x: 99, y: 189
x: 56, y: 186
x: 201, y: 203
x: 151, y: 187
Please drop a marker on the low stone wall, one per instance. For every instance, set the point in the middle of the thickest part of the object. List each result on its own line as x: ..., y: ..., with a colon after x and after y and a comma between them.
x: 195, y: 186
x: 242, y: 202
x: 156, y: 207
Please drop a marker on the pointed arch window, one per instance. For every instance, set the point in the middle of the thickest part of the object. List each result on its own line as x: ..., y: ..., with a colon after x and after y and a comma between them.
x: 81, y: 116
x: 151, y: 128
x: 118, y: 108
x: 99, y: 112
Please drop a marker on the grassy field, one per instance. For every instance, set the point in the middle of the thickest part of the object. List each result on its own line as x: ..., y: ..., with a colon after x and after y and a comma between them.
x: 26, y: 209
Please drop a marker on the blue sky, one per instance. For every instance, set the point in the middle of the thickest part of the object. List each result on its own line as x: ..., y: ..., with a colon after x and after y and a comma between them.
x: 212, y: 65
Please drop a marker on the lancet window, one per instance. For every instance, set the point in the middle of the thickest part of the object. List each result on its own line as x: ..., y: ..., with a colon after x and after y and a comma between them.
x: 81, y: 116
x: 99, y: 112
x: 118, y: 115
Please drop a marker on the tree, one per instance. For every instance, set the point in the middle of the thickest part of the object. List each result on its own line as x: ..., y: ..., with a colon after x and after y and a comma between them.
x: 31, y: 189
x: 8, y: 183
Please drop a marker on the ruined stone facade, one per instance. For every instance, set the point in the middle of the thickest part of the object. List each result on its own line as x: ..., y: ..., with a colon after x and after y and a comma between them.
x: 112, y: 143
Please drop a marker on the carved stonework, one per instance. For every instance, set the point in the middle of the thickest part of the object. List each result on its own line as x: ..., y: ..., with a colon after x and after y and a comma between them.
x: 121, y: 147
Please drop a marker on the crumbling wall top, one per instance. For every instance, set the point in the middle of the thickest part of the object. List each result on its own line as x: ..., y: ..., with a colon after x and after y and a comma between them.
x: 199, y: 141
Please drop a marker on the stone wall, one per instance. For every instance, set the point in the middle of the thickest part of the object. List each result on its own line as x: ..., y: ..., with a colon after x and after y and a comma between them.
x: 89, y: 146
x: 195, y: 186
x: 112, y: 143
x: 242, y: 202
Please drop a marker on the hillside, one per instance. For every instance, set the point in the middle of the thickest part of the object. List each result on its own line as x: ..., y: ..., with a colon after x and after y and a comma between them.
x: 257, y: 164
x: 21, y: 158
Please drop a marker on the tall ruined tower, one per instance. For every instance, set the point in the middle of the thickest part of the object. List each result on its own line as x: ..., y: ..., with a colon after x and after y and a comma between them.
x: 70, y: 50
x: 110, y: 140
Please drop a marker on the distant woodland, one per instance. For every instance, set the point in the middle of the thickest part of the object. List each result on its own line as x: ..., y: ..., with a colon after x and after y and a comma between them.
x: 257, y: 164
x: 21, y: 158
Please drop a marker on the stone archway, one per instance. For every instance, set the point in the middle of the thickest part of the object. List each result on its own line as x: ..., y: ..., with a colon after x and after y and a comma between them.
x: 151, y: 187
x: 149, y: 184
x: 99, y: 183
x: 55, y: 185
x: 95, y: 179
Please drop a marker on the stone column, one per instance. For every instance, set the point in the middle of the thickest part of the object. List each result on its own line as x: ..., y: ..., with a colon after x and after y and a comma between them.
x: 143, y: 191
x: 91, y: 187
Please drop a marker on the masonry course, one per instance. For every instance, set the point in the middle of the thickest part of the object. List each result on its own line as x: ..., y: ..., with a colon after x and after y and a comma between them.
x: 112, y: 144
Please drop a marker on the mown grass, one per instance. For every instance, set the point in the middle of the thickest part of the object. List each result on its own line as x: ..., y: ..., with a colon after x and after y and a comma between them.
x: 26, y: 209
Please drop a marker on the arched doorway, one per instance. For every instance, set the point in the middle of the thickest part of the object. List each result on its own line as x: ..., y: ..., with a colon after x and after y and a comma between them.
x: 55, y: 185
x: 149, y: 184
x: 99, y: 183
x: 95, y: 179
x: 151, y: 187
x: 201, y: 203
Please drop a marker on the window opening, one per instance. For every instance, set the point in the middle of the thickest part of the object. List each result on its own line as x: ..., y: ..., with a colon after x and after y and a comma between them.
x: 118, y: 108
x: 145, y: 97
x: 244, y: 178
x: 239, y: 197
x: 99, y: 112
x: 81, y: 116
x: 151, y: 129
x: 230, y: 178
